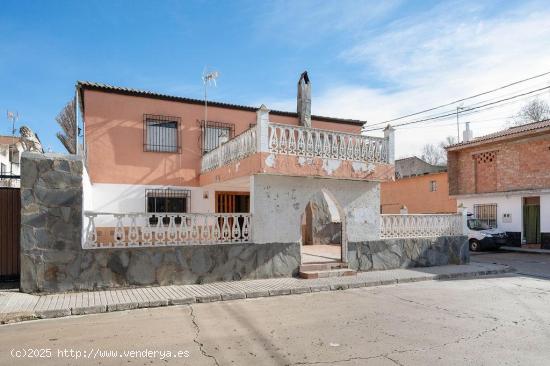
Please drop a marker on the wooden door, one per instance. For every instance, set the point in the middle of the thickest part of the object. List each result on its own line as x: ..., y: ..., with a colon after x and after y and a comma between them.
x: 10, y: 226
x: 230, y: 202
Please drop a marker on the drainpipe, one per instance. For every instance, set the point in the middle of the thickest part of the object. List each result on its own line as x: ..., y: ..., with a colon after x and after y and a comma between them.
x: 389, y: 135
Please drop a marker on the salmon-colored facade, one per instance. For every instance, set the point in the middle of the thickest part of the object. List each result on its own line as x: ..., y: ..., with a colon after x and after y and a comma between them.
x: 422, y: 194
x: 126, y: 176
x: 114, y: 136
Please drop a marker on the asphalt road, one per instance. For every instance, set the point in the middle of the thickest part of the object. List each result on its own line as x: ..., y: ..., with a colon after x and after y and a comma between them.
x: 537, y: 265
x: 488, y: 321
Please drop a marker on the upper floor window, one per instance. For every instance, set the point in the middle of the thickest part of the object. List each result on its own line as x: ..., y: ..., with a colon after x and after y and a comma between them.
x: 161, y: 133
x: 3, y: 169
x: 214, y: 134
x: 433, y: 186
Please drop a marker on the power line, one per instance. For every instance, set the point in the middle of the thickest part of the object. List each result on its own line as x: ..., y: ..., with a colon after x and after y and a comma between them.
x: 465, y: 111
x: 462, y: 99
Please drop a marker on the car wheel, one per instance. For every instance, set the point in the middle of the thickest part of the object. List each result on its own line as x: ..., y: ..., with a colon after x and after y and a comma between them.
x: 475, y: 246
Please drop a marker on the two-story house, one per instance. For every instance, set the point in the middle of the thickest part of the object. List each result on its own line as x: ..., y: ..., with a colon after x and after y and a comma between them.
x: 263, y: 175
x: 418, y: 188
x: 504, y: 180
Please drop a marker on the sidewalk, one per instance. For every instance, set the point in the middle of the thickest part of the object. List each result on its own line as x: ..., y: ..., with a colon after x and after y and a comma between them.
x: 16, y: 306
x: 525, y: 250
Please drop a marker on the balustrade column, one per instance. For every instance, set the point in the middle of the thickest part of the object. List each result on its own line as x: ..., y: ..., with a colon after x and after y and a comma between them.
x: 262, y: 129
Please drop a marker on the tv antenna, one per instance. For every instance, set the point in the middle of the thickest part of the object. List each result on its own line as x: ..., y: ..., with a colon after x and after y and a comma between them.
x: 12, y: 117
x: 208, y: 78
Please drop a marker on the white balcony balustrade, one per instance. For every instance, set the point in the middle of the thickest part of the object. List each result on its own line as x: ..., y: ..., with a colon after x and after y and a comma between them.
x: 314, y: 142
x: 164, y: 229
x: 233, y: 150
x: 420, y: 226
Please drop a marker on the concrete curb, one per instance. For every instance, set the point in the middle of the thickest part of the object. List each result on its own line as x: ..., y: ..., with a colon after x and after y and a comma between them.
x: 150, y: 297
x: 525, y: 250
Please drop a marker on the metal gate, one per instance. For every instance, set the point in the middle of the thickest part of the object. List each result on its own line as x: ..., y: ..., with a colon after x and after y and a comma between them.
x: 10, y: 226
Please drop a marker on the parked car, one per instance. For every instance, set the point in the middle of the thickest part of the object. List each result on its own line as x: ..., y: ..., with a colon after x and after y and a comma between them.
x: 482, y: 236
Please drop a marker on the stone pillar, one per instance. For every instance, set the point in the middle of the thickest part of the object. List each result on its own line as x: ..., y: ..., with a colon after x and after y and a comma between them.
x: 51, y: 221
x: 262, y: 129
x: 465, y: 221
x: 389, y: 135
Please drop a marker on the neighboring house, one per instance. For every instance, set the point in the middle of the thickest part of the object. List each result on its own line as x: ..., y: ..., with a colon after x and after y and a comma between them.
x: 504, y: 180
x: 419, y: 188
x: 10, y: 155
x: 155, y: 154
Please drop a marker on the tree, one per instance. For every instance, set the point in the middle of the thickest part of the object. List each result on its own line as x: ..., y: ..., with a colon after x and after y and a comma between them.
x: 436, y: 154
x: 67, y: 121
x: 535, y: 111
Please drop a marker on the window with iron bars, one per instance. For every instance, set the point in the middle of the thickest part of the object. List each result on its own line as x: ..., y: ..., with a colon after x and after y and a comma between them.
x: 486, y: 213
x: 161, y: 133
x: 167, y: 201
x: 213, y: 134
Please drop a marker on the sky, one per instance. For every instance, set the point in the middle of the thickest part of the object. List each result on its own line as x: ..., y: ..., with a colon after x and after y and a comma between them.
x: 369, y: 60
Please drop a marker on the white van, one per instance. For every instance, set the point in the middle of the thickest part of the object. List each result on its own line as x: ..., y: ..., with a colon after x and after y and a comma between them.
x: 482, y: 236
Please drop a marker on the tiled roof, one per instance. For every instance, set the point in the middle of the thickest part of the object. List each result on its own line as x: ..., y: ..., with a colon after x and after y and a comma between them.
x: 509, y: 132
x: 137, y: 92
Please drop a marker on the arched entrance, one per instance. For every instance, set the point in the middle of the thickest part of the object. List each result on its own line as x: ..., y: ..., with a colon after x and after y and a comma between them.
x: 323, y: 230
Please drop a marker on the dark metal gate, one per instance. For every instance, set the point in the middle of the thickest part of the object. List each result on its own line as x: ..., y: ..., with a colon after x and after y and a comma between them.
x: 10, y: 226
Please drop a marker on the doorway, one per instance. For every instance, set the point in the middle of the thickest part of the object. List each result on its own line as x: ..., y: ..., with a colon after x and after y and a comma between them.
x: 322, y: 229
x: 531, y: 220
x: 230, y: 202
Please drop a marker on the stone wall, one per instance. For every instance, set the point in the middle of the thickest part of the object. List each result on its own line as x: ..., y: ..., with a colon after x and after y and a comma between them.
x: 52, y: 258
x: 407, y: 253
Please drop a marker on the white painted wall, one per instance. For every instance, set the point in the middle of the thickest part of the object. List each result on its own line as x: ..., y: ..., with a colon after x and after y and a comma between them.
x: 545, y: 213
x: 511, y: 204
x: 278, y: 203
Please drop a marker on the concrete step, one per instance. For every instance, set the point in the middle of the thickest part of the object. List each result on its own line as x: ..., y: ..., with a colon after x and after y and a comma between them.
x: 340, y: 272
x: 327, y: 266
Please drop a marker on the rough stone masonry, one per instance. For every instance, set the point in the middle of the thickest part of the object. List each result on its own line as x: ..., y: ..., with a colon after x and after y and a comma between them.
x: 52, y: 258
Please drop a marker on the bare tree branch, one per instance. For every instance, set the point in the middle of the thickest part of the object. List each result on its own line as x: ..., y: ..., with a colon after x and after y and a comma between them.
x: 535, y: 111
x: 67, y: 121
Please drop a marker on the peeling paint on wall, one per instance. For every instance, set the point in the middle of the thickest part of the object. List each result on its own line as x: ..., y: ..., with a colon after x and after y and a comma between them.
x: 270, y: 160
x: 359, y: 166
x: 237, y: 166
x: 302, y: 160
x: 330, y: 165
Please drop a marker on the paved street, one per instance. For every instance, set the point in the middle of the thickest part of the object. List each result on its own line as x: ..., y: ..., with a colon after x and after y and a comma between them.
x: 502, y: 320
x: 525, y: 263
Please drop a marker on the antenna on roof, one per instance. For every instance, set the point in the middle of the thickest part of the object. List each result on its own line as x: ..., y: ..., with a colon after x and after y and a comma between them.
x: 208, y: 78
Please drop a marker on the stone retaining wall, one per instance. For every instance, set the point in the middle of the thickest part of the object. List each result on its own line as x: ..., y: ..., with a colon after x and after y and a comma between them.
x: 407, y: 253
x: 52, y: 258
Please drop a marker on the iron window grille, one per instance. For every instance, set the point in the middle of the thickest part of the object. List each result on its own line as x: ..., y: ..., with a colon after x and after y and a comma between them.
x: 213, y: 134
x: 433, y: 186
x: 161, y: 133
x: 167, y: 201
x: 486, y: 213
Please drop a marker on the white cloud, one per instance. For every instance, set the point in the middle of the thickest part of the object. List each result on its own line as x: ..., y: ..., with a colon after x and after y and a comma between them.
x: 427, y: 59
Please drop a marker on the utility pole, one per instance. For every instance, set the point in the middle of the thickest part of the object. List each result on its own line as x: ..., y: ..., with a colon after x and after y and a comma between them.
x: 13, y: 117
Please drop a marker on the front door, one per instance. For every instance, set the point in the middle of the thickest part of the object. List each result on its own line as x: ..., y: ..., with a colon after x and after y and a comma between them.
x: 531, y: 220
x: 230, y: 202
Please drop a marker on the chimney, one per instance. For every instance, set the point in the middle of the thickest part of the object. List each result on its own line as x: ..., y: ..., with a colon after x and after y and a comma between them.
x: 468, y: 134
x: 304, y: 100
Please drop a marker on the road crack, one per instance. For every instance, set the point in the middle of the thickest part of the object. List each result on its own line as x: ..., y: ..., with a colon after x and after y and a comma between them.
x: 196, y: 339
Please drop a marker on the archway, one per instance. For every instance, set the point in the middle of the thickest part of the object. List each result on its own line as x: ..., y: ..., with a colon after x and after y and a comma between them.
x: 323, y: 230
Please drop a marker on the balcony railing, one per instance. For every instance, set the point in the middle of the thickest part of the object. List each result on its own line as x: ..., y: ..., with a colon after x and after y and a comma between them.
x: 112, y: 230
x: 276, y: 138
x: 235, y: 149
x: 420, y: 226
x: 314, y: 142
